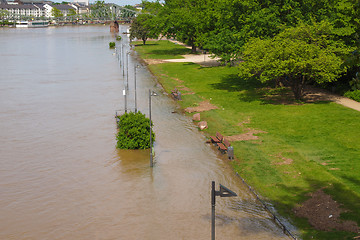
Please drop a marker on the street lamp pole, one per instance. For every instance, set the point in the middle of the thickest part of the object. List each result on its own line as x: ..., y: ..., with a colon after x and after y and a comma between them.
x: 151, y: 155
x: 223, y: 192
x: 135, y: 88
x: 127, y: 70
x: 122, y: 57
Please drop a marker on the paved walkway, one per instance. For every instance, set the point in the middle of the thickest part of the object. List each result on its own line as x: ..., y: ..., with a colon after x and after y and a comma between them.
x: 324, y: 95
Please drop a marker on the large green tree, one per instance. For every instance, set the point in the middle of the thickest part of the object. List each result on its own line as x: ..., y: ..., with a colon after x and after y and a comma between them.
x: 295, y: 57
x: 142, y: 28
x: 186, y: 20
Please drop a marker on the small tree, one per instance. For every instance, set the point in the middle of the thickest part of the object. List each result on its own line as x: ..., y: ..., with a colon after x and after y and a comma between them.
x: 295, y: 57
x: 142, y: 28
x: 134, y: 131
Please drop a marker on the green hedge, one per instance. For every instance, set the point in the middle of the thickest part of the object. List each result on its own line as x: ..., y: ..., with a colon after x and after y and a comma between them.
x: 134, y: 131
x: 355, y: 95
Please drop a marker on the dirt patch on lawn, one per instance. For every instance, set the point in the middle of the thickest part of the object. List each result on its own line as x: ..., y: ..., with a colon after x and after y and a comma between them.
x: 245, y: 136
x: 286, y: 161
x: 153, y: 61
x: 323, y: 213
x: 185, y: 90
x: 203, y: 106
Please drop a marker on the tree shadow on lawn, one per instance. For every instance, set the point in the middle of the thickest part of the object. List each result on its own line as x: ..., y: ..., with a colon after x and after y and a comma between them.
x: 348, y: 204
x: 253, y: 90
x: 171, y: 52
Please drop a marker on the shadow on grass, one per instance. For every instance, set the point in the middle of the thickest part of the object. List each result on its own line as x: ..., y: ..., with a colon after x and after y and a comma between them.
x: 349, y: 201
x: 172, y: 51
x: 253, y: 90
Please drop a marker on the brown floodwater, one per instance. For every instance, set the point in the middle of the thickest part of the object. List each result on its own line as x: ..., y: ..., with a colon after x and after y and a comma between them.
x: 61, y: 176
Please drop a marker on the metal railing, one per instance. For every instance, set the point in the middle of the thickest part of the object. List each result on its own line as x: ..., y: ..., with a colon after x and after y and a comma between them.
x: 274, y: 217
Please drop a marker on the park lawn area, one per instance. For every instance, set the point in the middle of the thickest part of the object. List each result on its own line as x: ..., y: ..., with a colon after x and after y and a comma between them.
x: 162, y: 49
x: 319, y: 141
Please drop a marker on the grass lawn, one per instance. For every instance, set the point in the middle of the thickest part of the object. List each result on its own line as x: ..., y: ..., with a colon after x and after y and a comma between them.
x: 321, y: 140
x: 160, y: 50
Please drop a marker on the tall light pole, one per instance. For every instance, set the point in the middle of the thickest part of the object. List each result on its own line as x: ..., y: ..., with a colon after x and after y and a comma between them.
x: 122, y: 58
x: 151, y: 93
x: 127, y: 70
x: 135, y: 67
x: 223, y: 192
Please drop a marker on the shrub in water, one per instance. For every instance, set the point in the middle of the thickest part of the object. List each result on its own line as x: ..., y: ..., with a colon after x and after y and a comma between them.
x: 355, y: 95
x: 111, y: 44
x: 134, y: 131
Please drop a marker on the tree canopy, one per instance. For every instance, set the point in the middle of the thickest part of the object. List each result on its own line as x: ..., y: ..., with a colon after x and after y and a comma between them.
x: 229, y: 29
x: 55, y: 12
x: 142, y: 28
x: 296, y: 56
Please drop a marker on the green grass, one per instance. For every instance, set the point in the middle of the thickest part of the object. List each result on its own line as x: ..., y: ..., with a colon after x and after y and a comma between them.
x: 321, y: 138
x: 162, y: 49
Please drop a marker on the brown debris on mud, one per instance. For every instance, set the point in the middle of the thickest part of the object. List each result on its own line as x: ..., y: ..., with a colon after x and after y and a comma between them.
x: 323, y: 213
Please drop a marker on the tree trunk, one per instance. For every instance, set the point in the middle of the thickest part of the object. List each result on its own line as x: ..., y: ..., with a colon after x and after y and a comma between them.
x: 297, y: 86
x: 144, y: 41
x: 193, y: 48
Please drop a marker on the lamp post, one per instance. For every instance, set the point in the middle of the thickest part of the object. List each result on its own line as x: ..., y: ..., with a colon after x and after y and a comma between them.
x: 122, y: 58
x: 151, y: 93
x: 223, y: 192
x: 135, y: 67
x: 127, y: 70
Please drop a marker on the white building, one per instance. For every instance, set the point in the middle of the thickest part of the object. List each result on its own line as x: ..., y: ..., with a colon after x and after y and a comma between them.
x: 65, y: 9
x: 27, y: 10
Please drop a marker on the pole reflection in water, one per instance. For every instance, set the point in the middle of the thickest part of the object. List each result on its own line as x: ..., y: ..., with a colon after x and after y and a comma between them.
x: 61, y: 176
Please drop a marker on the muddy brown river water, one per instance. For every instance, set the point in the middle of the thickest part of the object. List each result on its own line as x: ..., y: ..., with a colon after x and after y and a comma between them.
x: 61, y: 176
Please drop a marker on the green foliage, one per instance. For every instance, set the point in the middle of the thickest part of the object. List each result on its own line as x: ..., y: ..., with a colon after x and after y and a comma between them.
x: 142, y: 28
x: 355, y: 82
x: 295, y: 57
x: 55, y: 12
x: 128, y: 11
x: 134, y: 131
x: 111, y: 45
x: 355, y: 95
x: 100, y: 10
x: 72, y: 12
x: 118, y: 38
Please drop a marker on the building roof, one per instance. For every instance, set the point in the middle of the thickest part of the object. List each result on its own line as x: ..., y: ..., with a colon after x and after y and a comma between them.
x: 31, y: 1
x: 62, y: 6
x: 17, y: 6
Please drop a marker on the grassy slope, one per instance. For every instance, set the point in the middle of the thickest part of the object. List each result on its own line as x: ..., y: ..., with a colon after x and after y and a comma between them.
x: 161, y: 50
x: 310, y: 134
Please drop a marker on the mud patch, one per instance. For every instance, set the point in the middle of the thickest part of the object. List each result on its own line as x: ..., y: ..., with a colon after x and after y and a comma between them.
x: 247, y: 121
x: 203, y: 106
x: 286, y: 161
x: 323, y: 213
x: 185, y: 90
x: 245, y: 136
x: 153, y: 61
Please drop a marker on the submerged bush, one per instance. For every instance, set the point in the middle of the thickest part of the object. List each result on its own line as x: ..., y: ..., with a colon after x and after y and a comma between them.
x: 355, y: 95
x: 111, y: 45
x: 134, y: 131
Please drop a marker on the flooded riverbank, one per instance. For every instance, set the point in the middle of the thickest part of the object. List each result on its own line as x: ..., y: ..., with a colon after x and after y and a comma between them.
x: 63, y: 178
